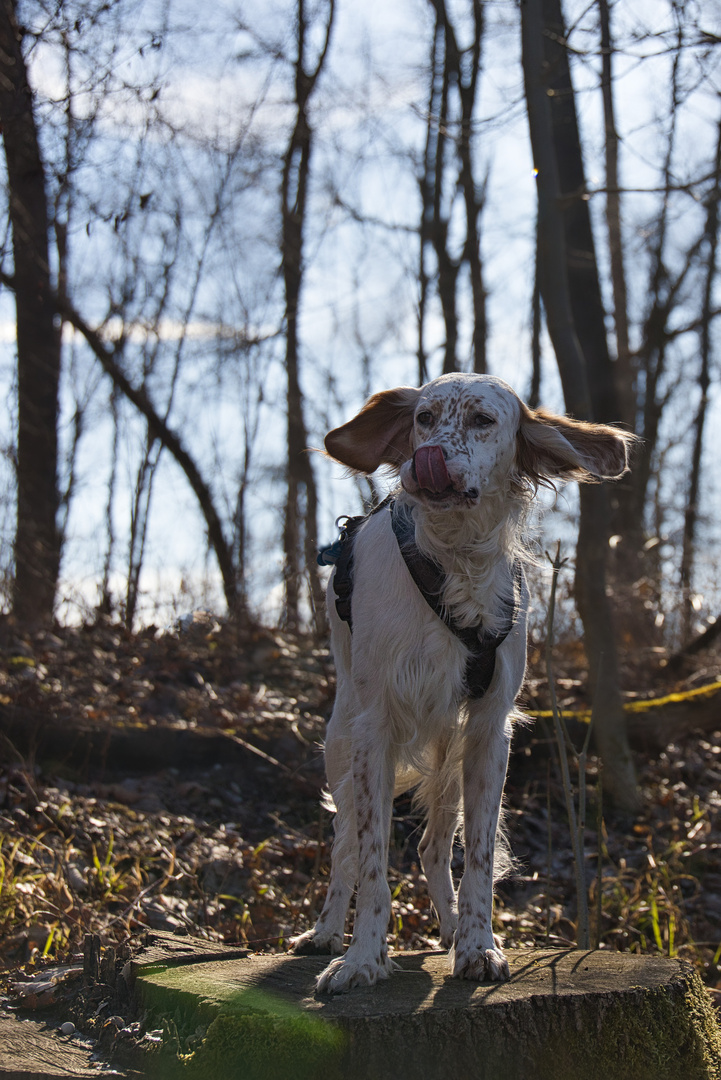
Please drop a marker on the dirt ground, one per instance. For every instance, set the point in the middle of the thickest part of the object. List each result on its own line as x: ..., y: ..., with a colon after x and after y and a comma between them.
x: 170, y: 781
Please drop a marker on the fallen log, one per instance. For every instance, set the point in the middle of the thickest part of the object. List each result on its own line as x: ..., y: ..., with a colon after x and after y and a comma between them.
x: 655, y: 722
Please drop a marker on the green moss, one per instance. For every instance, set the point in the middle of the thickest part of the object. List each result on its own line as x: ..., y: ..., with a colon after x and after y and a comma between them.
x: 252, y: 1036
x: 665, y: 1036
x: 256, y: 1040
x: 173, y: 993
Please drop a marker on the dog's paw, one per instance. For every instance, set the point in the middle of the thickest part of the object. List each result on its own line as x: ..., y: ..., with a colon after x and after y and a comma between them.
x: 317, y: 943
x: 480, y: 965
x: 343, y: 974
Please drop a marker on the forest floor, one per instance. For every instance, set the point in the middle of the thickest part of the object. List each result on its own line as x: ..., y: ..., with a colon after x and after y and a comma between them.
x: 170, y: 781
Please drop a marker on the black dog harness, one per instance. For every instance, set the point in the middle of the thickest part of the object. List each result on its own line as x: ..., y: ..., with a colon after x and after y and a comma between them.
x: 429, y: 578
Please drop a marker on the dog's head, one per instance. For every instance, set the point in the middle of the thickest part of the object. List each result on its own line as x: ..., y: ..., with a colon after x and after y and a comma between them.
x: 461, y: 436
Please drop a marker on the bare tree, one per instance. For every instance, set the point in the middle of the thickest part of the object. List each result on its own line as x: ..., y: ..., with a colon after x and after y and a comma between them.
x: 450, y: 167
x: 623, y: 367
x: 163, y: 220
x: 582, y: 375
x: 37, y: 539
x: 301, y: 513
x: 579, y: 242
x: 688, y: 556
x: 142, y: 221
x: 171, y: 441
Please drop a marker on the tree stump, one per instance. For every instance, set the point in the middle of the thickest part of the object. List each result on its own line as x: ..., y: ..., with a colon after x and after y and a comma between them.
x: 563, y: 1015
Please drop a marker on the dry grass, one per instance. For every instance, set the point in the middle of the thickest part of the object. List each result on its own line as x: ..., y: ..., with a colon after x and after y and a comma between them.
x: 241, y: 854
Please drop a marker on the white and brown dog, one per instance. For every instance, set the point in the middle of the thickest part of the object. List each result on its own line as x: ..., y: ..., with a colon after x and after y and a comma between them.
x: 428, y: 673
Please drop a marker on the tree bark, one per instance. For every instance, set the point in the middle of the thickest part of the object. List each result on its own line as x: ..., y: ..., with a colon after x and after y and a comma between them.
x: 534, y: 390
x: 663, y: 294
x: 580, y: 250
x: 583, y: 377
x: 623, y: 368
x: 427, y: 188
x: 465, y: 78
x: 448, y: 169
x: 626, y: 561
x: 446, y: 267
x: 301, y: 511
x: 37, y: 538
x: 688, y: 554
x: 433, y: 151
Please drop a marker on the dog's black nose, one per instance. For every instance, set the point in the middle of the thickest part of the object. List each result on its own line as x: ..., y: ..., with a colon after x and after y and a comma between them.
x: 473, y: 493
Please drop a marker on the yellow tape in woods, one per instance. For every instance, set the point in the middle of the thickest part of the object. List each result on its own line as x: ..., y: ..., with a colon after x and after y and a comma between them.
x: 584, y: 715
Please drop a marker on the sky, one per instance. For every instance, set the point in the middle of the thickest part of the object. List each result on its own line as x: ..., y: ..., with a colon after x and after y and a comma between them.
x: 358, y: 321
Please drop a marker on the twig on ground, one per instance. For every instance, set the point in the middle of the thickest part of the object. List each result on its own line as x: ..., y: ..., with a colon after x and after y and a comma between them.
x: 576, y: 821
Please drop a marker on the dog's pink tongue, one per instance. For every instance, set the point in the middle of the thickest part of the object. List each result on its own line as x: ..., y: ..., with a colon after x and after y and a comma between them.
x: 431, y: 471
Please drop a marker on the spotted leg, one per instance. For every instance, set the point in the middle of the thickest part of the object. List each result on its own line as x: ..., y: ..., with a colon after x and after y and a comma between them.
x: 440, y: 794
x: 366, y: 960
x: 476, y: 954
x: 327, y: 934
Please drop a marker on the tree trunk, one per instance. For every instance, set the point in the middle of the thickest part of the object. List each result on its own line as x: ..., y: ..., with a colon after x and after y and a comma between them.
x: 37, y: 538
x: 301, y: 511
x: 534, y: 390
x: 663, y: 295
x: 426, y: 187
x: 627, y: 524
x: 583, y: 280
x: 139, y: 518
x: 446, y: 267
x: 691, y: 515
x: 105, y: 601
x: 623, y: 369
x: 465, y: 77
x: 451, y: 104
x: 582, y: 376
x: 566, y: 1014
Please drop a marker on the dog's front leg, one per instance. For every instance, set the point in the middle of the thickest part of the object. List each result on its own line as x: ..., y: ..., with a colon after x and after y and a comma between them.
x: 476, y: 954
x: 366, y: 960
x: 440, y: 793
x: 327, y: 935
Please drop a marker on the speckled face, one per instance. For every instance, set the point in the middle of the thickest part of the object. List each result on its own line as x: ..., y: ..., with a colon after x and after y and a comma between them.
x: 473, y: 419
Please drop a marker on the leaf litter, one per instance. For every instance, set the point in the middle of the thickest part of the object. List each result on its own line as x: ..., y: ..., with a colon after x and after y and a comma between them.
x: 237, y: 849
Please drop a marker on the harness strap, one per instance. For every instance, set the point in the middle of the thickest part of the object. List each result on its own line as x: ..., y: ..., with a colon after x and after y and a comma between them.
x: 429, y: 578
x: 340, y: 555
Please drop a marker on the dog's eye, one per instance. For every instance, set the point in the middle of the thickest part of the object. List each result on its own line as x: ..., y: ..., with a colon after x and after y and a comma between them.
x: 424, y: 418
x: 481, y: 420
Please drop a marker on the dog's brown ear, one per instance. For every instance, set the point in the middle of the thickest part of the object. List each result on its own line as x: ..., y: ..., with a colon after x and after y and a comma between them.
x: 554, y: 447
x: 379, y: 435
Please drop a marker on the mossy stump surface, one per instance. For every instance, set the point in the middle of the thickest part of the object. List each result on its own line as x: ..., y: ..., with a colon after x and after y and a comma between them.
x: 563, y: 1014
